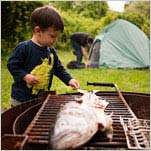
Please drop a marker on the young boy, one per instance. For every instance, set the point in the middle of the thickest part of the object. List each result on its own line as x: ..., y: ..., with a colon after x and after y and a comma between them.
x: 46, y: 24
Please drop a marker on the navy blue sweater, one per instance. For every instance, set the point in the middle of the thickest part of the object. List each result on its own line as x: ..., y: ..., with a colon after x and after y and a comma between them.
x: 24, y: 58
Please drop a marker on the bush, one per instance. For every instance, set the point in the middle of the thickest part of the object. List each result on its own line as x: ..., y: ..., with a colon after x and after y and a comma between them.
x: 90, y: 17
x: 15, y: 23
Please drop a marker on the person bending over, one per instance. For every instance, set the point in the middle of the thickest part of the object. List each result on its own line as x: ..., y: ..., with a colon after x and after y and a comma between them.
x: 81, y: 43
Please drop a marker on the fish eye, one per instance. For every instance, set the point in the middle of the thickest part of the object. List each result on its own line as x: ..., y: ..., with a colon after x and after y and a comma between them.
x: 62, y: 123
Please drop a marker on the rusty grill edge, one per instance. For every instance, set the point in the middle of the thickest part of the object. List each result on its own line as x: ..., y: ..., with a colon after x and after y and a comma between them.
x: 39, y: 128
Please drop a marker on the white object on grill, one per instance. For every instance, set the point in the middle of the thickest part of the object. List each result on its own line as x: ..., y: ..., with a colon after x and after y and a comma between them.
x: 77, y: 123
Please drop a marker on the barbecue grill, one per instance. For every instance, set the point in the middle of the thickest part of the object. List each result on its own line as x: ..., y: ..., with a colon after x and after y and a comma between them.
x: 27, y: 126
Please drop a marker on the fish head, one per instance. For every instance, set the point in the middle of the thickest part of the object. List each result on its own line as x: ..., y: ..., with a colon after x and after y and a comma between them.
x: 105, y: 125
x: 75, y: 124
x: 65, y: 140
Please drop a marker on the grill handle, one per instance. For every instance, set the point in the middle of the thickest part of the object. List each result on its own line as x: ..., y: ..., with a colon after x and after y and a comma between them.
x: 106, y: 84
x: 101, y: 84
x: 109, y: 85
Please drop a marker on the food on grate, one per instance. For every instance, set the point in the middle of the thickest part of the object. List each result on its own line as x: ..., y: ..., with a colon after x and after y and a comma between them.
x: 79, y: 120
x: 42, y: 72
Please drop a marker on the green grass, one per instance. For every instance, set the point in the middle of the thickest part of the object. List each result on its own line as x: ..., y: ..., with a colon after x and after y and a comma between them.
x: 128, y: 80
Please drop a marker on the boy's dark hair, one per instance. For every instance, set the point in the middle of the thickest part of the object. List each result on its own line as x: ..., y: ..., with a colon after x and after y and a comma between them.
x: 45, y: 17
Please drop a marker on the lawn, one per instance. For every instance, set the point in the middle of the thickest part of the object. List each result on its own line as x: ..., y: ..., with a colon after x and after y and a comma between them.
x: 129, y: 80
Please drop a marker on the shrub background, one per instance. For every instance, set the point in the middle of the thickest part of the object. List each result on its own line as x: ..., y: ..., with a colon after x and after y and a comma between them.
x: 87, y: 16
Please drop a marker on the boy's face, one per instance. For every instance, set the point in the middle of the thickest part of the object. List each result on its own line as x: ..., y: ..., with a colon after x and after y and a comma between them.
x: 48, y: 37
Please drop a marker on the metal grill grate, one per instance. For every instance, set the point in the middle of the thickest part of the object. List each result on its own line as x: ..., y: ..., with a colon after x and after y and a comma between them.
x: 38, y: 130
x: 137, y: 133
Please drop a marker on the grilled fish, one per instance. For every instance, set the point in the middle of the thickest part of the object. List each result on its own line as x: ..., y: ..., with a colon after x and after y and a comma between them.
x: 78, y: 121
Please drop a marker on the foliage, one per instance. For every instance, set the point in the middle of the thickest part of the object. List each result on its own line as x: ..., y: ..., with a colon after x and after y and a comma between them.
x: 84, y: 14
x: 87, y: 9
x: 87, y: 16
x: 110, y: 17
x: 75, y: 24
x: 139, y: 14
x: 15, y: 22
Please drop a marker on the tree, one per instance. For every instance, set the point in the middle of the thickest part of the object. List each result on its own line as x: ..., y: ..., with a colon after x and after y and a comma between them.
x: 90, y: 9
x: 63, y: 5
x: 15, y: 22
x: 86, y: 16
x: 138, y: 13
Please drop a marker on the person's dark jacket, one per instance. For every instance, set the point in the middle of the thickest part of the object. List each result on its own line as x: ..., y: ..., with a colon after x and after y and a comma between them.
x: 80, y: 38
x: 24, y: 58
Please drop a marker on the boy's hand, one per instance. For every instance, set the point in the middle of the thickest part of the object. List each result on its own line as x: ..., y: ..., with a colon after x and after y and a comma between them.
x: 31, y: 79
x: 74, y: 84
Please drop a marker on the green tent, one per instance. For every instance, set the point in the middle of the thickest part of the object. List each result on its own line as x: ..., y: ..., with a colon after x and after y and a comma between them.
x: 121, y: 44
